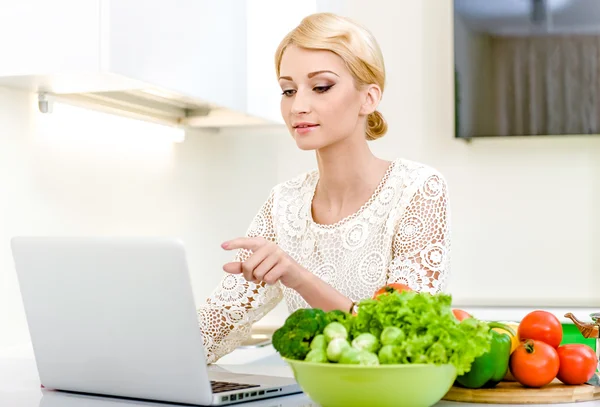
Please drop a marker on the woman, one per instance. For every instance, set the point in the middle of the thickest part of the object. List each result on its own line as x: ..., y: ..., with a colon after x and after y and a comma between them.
x: 331, y: 237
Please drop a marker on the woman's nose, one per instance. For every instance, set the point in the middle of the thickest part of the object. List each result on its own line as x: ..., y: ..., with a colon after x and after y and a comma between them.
x: 301, y: 103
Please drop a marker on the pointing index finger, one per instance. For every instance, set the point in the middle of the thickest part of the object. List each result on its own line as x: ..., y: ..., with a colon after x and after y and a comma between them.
x: 249, y: 243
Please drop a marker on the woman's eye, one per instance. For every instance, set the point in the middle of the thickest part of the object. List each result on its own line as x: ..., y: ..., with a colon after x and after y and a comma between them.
x: 322, y: 89
x: 288, y: 92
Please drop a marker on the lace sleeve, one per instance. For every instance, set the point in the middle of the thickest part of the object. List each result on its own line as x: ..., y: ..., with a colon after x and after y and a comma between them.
x: 421, y: 249
x: 227, y: 316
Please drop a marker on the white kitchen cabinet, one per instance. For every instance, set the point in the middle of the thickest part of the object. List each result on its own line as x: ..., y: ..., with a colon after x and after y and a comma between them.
x: 195, y: 62
x: 39, y: 37
x: 190, y: 46
x: 192, y: 53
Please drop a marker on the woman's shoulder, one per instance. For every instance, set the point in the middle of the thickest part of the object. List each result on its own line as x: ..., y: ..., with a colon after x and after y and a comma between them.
x: 300, y: 182
x: 416, y: 168
x: 411, y: 174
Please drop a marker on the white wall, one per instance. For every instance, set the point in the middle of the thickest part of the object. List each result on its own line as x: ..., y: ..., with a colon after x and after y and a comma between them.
x: 84, y: 173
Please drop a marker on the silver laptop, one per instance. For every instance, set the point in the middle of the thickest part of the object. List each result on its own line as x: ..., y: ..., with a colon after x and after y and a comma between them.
x: 117, y: 317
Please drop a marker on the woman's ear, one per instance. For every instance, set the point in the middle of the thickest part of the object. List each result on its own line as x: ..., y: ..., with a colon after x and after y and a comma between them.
x: 372, y: 97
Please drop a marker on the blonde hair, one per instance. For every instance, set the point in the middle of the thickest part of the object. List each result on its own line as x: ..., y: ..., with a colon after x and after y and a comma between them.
x: 351, y: 42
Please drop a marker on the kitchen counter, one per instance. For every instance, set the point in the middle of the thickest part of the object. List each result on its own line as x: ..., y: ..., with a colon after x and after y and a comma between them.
x: 20, y: 387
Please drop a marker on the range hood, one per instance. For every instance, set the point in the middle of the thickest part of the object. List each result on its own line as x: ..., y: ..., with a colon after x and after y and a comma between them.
x: 189, y: 63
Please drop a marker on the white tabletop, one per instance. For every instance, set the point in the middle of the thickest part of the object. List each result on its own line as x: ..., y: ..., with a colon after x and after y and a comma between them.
x: 20, y: 386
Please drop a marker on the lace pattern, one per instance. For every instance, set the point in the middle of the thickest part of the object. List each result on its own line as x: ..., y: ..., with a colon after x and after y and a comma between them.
x: 227, y: 316
x: 401, y: 234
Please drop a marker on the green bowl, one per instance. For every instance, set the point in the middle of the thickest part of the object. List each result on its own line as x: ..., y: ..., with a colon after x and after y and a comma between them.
x: 340, y: 385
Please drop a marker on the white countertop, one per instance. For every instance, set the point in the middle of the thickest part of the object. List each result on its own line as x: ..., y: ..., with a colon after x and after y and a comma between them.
x: 20, y: 387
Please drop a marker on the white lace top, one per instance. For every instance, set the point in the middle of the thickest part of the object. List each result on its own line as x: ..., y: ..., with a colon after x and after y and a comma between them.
x: 401, y: 234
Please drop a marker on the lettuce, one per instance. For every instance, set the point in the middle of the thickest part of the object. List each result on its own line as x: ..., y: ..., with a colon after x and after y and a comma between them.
x: 431, y: 333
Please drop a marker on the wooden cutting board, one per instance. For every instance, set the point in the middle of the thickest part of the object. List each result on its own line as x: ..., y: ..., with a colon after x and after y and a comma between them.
x: 515, y: 393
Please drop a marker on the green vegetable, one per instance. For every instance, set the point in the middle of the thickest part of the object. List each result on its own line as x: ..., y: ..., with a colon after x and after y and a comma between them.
x: 335, y: 330
x: 294, y: 338
x: 345, y: 318
x: 431, y: 332
x: 367, y: 358
x: 490, y: 368
x: 335, y: 349
x: 319, y: 342
x: 353, y: 356
x: 366, y: 342
x: 350, y: 356
x: 399, y: 327
x: 387, y: 355
x: 316, y: 355
x: 392, y: 336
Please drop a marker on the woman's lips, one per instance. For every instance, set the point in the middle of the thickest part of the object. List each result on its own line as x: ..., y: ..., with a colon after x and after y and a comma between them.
x: 305, y: 128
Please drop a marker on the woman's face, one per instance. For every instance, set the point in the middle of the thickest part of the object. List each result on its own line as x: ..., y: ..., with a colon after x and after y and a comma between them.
x: 320, y: 102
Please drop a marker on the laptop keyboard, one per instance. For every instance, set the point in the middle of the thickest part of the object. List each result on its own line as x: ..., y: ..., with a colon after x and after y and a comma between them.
x: 221, y: 387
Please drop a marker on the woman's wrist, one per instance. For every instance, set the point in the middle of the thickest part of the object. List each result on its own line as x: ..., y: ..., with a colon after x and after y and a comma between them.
x: 302, y: 280
x: 318, y: 294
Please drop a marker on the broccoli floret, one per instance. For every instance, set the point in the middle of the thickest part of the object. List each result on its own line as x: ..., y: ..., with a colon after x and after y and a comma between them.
x: 310, y: 319
x: 293, y: 339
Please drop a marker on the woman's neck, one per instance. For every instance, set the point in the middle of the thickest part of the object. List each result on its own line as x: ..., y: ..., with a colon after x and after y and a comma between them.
x: 348, y: 170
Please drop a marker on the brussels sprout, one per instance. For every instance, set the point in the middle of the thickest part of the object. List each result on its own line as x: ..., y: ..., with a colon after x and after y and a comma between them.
x: 335, y: 349
x: 367, y: 358
x: 319, y: 342
x: 366, y: 341
x: 350, y: 356
x: 386, y: 355
x: 317, y: 355
x: 392, y: 335
x: 335, y: 330
x: 353, y: 356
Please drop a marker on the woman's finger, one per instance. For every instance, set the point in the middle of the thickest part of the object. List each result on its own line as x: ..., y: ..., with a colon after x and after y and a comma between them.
x: 252, y: 262
x: 274, y: 274
x: 265, y: 266
x: 234, y: 267
x: 249, y: 243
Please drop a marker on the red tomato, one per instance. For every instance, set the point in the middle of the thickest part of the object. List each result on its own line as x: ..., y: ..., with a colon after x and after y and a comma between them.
x: 541, y: 326
x: 460, y: 314
x: 390, y: 288
x: 577, y: 363
x: 534, y: 363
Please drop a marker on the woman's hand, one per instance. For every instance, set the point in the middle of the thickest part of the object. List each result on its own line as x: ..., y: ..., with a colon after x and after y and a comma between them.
x: 268, y: 263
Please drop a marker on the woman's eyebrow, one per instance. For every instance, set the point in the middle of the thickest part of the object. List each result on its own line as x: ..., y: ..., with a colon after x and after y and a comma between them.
x: 310, y: 75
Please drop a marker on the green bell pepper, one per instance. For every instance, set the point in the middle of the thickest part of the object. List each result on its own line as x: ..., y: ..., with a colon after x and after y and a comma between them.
x: 490, y: 368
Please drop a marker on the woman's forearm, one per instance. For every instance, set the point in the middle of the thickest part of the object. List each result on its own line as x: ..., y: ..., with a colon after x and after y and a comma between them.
x: 318, y: 294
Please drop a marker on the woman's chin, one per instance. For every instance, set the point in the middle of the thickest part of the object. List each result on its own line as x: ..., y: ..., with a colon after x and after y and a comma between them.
x: 306, y: 144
